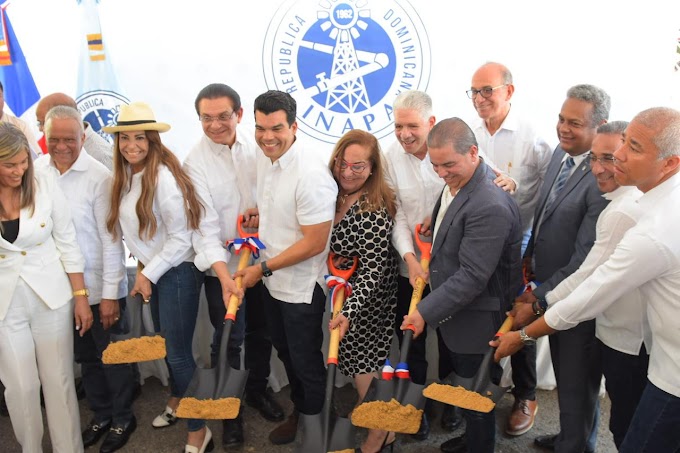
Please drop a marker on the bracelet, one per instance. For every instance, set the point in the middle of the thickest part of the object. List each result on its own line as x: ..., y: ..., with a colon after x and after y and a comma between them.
x: 82, y: 292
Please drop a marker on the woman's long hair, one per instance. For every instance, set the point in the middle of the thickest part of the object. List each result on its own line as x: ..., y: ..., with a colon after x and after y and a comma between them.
x: 12, y: 143
x: 376, y: 193
x: 158, y: 155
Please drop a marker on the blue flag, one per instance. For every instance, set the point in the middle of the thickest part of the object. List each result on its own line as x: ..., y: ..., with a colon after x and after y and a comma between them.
x: 98, y: 95
x: 19, y: 88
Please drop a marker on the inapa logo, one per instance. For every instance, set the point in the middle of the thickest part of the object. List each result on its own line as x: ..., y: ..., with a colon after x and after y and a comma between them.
x: 100, y: 108
x: 344, y: 62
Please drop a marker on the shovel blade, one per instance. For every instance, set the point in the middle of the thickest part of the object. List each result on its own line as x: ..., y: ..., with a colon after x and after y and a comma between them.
x: 409, y: 393
x: 340, y: 435
x: 205, y: 384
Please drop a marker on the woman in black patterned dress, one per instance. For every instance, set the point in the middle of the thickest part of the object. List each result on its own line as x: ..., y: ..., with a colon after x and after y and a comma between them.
x: 363, y: 225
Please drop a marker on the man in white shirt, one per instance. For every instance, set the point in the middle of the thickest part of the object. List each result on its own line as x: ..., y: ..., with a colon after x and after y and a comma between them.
x: 222, y: 166
x: 296, y: 197
x: 518, y: 151
x: 109, y: 389
x: 622, y: 330
x: 648, y: 258
x: 18, y: 122
x: 96, y: 146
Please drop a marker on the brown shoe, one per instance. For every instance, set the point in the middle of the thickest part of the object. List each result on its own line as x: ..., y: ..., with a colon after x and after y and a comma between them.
x: 522, y: 417
x: 286, y: 431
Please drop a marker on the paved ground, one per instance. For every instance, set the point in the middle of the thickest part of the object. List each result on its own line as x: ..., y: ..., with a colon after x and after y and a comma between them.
x: 171, y: 440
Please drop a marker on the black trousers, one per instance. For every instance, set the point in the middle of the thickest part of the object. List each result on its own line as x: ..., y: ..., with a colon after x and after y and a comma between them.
x: 417, y: 354
x: 296, y: 333
x: 108, y: 388
x: 625, y: 379
x: 250, y: 325
x: 524, y: 373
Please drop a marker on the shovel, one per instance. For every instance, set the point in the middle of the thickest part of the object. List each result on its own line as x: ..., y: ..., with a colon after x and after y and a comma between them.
x: 402, y: 390
x: 326, y: 432
x: 477, y: 393
x: 142, y: 349
x: 215, y: 393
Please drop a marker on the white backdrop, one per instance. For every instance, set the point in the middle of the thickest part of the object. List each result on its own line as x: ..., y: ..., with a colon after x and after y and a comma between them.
x: 165, y: 52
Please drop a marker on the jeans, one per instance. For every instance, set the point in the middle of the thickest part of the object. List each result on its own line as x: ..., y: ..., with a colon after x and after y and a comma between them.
x: 176, y: 297
x: 655, y: 427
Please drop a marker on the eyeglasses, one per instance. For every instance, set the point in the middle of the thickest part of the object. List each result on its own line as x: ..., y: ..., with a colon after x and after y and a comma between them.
x: 485, y: 92
x: 222, y: 118
x: 607, y: 159
x: 355, y: 167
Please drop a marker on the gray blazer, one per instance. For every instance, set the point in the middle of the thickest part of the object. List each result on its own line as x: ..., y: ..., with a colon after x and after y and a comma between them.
x: 567, y: 230
x: 475, y: 269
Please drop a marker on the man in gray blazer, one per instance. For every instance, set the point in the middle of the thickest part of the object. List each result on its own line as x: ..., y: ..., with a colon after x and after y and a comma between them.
x: 475, y: 269
x: 564, y: 231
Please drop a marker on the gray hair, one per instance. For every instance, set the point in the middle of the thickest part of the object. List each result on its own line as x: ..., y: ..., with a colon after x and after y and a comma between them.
x: 62, y: 112
x: 414, y: 100
x: 506, y: 75
x: 613, y: 127
x: 453, y: 131
x: 665, y: 122
x: 595, y: 96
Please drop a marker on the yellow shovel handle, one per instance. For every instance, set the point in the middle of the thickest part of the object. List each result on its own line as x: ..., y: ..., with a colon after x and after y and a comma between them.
x: 334, y: 342
x: 233, y: 306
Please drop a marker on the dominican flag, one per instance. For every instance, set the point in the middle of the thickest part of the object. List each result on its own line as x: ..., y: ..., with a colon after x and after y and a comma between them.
x: 19, y: 88
x: 99, y: 95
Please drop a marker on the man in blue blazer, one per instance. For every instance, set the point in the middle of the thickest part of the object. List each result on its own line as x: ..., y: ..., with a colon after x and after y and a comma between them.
x: 564, y: 231
x: 475, y: 269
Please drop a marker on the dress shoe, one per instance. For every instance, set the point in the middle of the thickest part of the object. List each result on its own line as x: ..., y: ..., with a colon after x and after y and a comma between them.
x: 522, y: 417
x: 424, y: 429
x: 208, y: 444
x: 167, y: 418
x: 94, y: 432
x: 548, y: 442
x: 455, y: 445
x: 286, y: 431
x: 266, y: 404
x: 118, y: 436
x: 451, y: 418
x: 232, y: 432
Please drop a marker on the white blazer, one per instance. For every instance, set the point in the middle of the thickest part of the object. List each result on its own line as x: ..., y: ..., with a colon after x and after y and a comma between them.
x: 45, y: 249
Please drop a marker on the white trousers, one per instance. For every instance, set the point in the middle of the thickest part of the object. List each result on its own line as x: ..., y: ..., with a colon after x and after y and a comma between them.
x: 36, y: 348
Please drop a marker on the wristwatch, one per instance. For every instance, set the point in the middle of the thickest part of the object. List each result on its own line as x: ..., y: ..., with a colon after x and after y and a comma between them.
x: 526, y: 339
x: 82, y: 292
x: 266, y: 272
x: 536, y: 307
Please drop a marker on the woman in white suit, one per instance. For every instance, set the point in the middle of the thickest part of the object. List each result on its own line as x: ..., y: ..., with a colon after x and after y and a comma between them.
x: 41, y: 271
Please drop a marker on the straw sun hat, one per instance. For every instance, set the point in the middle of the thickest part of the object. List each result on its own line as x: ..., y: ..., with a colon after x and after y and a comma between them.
x: 137, y: 116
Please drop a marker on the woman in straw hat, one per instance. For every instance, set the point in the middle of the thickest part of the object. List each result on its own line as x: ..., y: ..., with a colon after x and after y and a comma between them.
x: 157, y: 208
x: 41, y: 271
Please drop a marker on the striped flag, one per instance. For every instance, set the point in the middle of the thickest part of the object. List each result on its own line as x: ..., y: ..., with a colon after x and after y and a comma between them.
x: 19, y: 87
x: 99, y: 95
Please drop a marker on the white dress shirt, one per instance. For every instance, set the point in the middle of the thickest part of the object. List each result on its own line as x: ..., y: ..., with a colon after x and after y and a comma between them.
x: 296, y: 190
x: 623, y: 326
x: 97, y: 147
x: 225, y: 181
x: 417, y: 188
x: 648, y: 258
x: 36, y: 150
x: 171, y: 245
x: 88, y: 185
x: 518, y: 151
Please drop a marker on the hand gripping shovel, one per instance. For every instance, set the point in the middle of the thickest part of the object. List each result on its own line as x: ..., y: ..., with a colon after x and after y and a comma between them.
x: 142, y: 349
x: 389, y: 393
x: 477, y: 393
x: 326, y: 432
x: 215, y: 393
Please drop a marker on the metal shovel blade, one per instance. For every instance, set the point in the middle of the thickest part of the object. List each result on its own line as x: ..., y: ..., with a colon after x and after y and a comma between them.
x: 340, y: 435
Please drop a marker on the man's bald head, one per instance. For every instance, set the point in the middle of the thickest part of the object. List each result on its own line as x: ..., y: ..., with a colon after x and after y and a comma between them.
x: 49, y: 101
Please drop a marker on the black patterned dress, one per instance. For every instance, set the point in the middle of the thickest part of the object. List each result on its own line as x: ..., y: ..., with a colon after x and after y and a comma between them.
x: 371, y: 306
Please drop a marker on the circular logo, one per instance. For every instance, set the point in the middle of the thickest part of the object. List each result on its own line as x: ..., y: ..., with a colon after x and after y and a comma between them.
x: 100, y: 108
x: 344, y: 62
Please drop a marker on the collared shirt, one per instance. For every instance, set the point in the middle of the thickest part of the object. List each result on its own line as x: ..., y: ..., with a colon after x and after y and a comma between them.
x: 518, y: 151
x: 296, y: 190
x: 622, y: 326
x: 417, y: 187
x: 21, y: 124
x: 171, y: 245
x: 97, y: 147
x: 225, y: 181
x: 648, y: 258
x: 87, y: 185
x: 446, y: 199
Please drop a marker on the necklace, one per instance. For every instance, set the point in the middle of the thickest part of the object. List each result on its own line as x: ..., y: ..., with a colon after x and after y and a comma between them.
x: 343, y: 198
